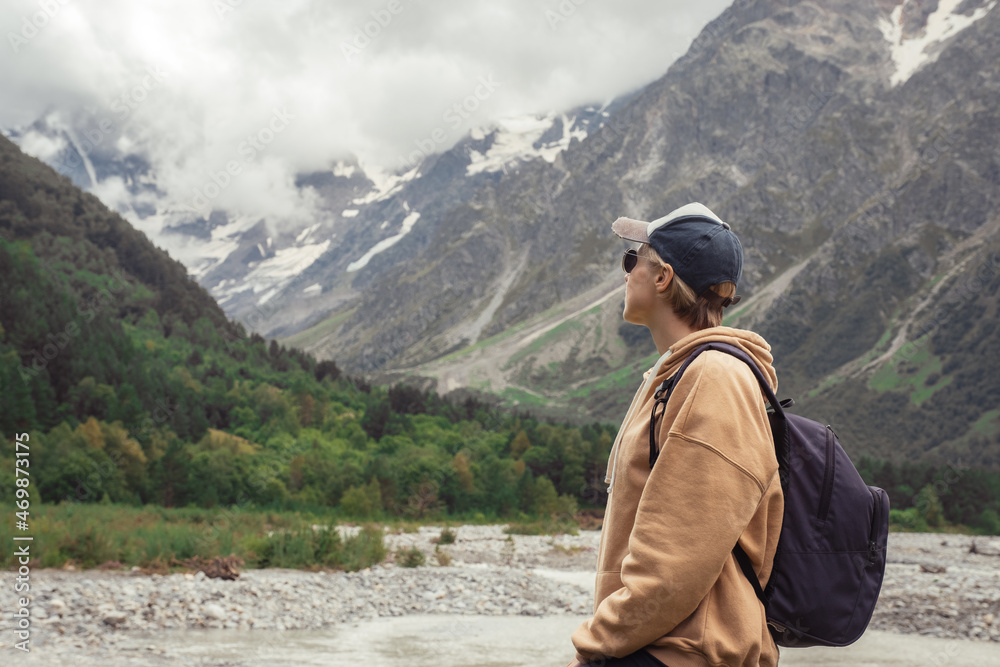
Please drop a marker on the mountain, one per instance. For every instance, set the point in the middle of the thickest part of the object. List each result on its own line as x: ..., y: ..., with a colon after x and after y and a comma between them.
x: 394, y: 221
x: 244, y: 261
x: 854, y: 149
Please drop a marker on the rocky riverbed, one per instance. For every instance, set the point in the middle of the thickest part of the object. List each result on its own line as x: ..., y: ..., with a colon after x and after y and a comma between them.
x: 936, y: 585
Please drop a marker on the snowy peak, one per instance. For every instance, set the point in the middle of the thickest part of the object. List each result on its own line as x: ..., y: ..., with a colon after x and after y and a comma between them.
x: 916, y: 36
x: 511, y: 141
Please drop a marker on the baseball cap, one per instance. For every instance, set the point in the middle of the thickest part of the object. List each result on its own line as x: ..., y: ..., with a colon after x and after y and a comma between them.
x: 702, y: 249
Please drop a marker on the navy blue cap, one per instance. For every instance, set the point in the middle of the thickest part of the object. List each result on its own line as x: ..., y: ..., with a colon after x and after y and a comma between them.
x: 701, y: 248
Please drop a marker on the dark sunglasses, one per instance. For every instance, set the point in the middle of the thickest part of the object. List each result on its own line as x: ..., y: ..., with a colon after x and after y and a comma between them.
x: 629, y: 260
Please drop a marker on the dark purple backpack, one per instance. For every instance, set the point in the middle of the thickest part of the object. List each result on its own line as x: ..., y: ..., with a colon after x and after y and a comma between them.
x: 831, y: 553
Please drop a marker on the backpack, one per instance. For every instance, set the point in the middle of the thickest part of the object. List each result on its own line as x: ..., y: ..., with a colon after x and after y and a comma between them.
x: 831, y: 552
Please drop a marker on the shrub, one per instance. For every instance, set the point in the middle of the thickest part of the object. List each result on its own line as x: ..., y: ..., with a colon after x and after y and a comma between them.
x: 364, y: 549
x: 443, y: 557
x: 929, y: 506
x: 508, y: 551
x: 412, y: 557
x: 306, y: 547
x: 908, y: 520
x: 989, y: 521
x: 447, y: 536
x: 362, y: 501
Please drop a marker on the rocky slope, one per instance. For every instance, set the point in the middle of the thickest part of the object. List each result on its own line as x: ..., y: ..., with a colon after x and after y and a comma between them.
x: 852, y: 146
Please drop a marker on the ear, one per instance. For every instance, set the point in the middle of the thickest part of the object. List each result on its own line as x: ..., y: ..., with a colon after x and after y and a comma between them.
x: 663, y: 278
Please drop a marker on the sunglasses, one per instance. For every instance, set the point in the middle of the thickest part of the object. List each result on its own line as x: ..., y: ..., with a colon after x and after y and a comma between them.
x: 629, y: 260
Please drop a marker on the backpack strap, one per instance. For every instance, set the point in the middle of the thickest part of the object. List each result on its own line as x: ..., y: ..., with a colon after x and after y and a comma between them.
x: 776, y: 410
x: 779, y: 431
x: 747, y: 567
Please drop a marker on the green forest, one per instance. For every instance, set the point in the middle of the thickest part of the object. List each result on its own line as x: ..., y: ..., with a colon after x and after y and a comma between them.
x: 159, y: 411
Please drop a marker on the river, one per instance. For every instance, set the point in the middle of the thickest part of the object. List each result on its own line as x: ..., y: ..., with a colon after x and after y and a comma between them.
x: 484, y: 641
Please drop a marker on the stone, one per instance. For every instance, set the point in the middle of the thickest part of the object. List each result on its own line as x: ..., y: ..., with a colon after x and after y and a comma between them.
x: 115, y: 618
x: 214, y: 611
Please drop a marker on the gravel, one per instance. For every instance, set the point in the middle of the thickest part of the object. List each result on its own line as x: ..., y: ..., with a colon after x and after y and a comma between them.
x: 933, y: 586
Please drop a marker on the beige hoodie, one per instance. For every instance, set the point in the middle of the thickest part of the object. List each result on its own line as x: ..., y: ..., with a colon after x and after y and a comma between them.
x: 666, y: 577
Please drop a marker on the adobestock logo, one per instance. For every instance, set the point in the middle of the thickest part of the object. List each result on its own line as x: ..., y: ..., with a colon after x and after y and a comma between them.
x: 248, y: 149
x: 562, y: 12
x: 223, y: 7
x: 56, y: 342
x: 364, y: 34
x: 455, y: 115
x: 30, y: 26
x: 122, y: 106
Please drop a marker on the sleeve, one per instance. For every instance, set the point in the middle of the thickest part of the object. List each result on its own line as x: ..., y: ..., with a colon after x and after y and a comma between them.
x: 699, y: 497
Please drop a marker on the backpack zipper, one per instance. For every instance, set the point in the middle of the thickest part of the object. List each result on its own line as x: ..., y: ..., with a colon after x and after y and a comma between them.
x: 825, y: 497
x: 876, y: 522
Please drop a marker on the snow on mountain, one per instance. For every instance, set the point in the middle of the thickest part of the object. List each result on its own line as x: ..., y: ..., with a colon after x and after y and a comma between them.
x: 384, y: 244
x: 199, y: 247
x: 523, y: 138
x: 911, y: 53
x: 385, y: 183
x: 270, y: 275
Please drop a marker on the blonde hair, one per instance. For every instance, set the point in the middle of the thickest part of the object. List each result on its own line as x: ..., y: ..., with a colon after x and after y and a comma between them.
x: 695, y: 310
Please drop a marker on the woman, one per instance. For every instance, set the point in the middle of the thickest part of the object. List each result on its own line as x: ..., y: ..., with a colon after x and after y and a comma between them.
x: 669, y: 591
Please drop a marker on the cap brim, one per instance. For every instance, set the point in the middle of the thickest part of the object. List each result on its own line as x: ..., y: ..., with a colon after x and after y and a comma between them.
x: 631, y: 230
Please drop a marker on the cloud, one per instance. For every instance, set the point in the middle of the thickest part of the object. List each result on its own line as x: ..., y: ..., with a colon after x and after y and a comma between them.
x: 190, y: 83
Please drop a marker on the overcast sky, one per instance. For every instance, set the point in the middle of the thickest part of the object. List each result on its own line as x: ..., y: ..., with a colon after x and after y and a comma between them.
x: 185, y: 82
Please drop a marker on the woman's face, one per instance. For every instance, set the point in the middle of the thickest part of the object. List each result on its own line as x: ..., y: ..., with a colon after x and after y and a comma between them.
x: 640, y: 290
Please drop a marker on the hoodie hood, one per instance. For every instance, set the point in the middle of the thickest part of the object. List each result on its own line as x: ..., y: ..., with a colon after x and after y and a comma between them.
x: 752, y: 343
x: 748, y: 341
